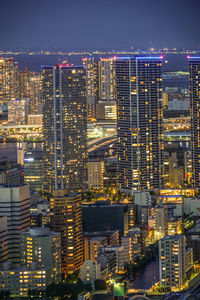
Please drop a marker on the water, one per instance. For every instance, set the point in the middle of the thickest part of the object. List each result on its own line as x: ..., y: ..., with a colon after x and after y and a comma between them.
x: 34, y: 62
x: 148, y: 276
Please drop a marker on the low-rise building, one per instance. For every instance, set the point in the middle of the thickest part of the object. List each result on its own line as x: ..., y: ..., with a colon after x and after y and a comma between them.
x: 90, y: 271
x: 108, y: 263
x: 118, y: 250
x: 174, y: 226
x: 18, y: 281
x: 94, y: 244
x: 132, y: 245
x: 112, y: 238
x: 42, y: 246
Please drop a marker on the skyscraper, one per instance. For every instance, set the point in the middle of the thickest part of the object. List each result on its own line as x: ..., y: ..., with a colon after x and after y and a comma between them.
x: 8, y: 80
x: 64, y: 128
x: 107, y: 79
x: 67, y: 219
x: 139, y: 105
x: 92, y: 85
x: 24, y: 84
x: 160, y: 221
x: 30, y: 88
x: 194, y: 69
x: 15, y: 205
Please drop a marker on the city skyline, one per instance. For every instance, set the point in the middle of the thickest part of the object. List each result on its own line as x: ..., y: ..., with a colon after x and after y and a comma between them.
x: 100, y: 149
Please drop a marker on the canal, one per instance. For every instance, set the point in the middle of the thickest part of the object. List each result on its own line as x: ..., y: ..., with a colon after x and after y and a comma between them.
x: 148, y: 276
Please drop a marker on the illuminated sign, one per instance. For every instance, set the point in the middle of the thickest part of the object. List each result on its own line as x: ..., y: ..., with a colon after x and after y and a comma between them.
x: 29, y: 159
x: 118, y: 289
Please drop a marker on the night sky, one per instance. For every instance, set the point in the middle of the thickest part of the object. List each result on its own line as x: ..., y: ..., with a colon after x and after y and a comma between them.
x: 111, y: 24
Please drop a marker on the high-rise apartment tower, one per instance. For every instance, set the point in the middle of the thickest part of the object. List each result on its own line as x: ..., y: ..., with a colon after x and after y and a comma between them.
x: 139, y: 119
x: 64, y: 128
x: 67, y: 219
x: 194, y: 69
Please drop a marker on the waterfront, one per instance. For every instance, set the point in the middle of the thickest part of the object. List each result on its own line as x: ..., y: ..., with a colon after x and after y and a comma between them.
x: 175, y: 62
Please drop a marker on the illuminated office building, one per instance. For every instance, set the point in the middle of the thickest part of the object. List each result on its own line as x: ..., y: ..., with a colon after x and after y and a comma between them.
x: 8, y: 80
x: 19, y: 281
x: 18, y: 110
x: 64, y: 128
x: 67, y: 219
x: 30, y: 85
x: 139, y: 119
x: 15, y: 205
x: 92, y: 86
x: 24, y: 84
x: 107, y: 79
x: 34, y: 169
x: 106, y: 110
x: 42, y: 247
x: 194, y: 83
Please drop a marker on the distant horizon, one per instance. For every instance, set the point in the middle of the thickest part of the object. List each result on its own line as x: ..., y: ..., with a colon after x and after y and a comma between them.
x: 128, y: 49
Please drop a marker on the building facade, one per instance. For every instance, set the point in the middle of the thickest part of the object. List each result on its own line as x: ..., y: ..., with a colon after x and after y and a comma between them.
x: 172, y: 261
x: 92, y: 86
x: 160, y: 221
x: 67, y: 219
x: 64, y: 128
x: 18, y: 110
x: 132, y: 245
x: 194, y: 84
x: 95, y: 174
x: 8, y: 80
x: 107, y: 79
x: 90, y: 271
x: 43, y: 247
x: 3, y: 240
x: 139, y: 119
x: 19, y: 281
x: 103, y: 216
x: 34, y: 169
x: 15, y: 205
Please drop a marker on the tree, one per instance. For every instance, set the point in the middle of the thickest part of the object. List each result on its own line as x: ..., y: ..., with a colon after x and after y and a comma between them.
x: 5, y: 295
x: 100, y: 284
